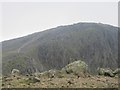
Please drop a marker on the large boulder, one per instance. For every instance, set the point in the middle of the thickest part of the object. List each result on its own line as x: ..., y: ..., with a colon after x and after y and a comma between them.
x: 77, y: 68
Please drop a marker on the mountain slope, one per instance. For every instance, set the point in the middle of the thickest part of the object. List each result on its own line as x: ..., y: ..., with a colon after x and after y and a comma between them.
x: 95, y: 43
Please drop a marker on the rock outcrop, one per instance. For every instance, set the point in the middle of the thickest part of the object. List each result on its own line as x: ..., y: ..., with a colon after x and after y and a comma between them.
x: 77, y: 68
x: 105, y: 72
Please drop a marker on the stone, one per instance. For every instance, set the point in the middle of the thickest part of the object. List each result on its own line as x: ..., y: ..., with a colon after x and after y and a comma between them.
x: 77, y: 68
x: 33, y: 79
x: 108, y: 72
x: 100, y: 71
x: 105, y: 72
x: 15, y: 72
x: 117, y: 71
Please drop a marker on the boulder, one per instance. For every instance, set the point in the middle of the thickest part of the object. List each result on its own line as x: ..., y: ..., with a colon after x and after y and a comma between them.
x: 117, y: 71
x: 33, y: 79
x: 15, y: 72
x: 60, y: 74
x: 76, y: 68
x: 108, y: 72
x: 51, y: 73
x: 100, y: 71
x: 105, y: 72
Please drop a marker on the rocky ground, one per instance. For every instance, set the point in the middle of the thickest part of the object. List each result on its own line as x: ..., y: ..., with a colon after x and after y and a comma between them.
x: 70, y: 81
x: 74, y: 75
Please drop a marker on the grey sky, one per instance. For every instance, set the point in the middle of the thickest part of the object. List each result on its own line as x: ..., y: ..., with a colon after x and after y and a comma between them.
x: 20, y: 19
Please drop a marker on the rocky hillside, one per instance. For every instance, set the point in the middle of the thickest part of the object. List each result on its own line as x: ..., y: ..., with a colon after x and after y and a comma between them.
x: 95, y: 43
x: 74, y: 75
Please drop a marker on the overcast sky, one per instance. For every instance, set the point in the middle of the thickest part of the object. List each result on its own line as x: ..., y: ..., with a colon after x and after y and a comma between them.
x: 20, y: 18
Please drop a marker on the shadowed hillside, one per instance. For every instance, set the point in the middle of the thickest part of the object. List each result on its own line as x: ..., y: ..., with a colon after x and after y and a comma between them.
x: 94, y: 43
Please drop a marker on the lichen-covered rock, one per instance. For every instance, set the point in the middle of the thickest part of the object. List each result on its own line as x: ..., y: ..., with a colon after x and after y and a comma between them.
x: 108, y: 72
x: 100, y: 71
x: 51, y: 73
x: 105, y: 72
x: 44, y: 74
x: 76, y: 68
x: 15, y: 72
x: 60, y: 74
x: 117, y: 71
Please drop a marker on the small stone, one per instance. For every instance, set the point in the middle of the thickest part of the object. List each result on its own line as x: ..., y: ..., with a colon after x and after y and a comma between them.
x: 15, y: 72
x: 69, y: 82
x: 34, y: 79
